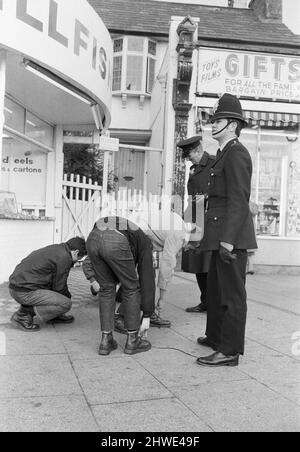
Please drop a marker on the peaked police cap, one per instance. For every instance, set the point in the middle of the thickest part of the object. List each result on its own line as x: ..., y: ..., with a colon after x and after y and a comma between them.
x: 228, y: 107
x: 189, y: 144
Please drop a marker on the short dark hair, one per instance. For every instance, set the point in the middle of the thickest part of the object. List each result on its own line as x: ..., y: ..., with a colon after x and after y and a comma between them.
x: 77, y: 243
x: 239, y: 126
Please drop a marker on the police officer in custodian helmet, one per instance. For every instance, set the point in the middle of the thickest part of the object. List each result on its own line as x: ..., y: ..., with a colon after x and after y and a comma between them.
x: 194, y: 261
x: 228, y: 233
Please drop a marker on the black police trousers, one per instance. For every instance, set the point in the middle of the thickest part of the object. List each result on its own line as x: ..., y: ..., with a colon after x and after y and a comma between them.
x: 227, y: 304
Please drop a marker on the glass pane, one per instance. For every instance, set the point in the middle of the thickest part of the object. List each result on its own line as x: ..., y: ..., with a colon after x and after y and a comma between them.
x: 152, y: 48
x: 134, y: 73
x: 117, y: 73
x: 273, y: 149
x: 118, y: 45
x: 293, y: 207
x: 23, y: 178
x: 150, y: 75
x: 249, y: 140
x: 135, y: 44
x: 14, y: 115
x: 39, y: 130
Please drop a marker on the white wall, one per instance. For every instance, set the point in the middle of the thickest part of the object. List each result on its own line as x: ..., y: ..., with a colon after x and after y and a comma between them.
x: 18, y: 238
x: 291, y: 15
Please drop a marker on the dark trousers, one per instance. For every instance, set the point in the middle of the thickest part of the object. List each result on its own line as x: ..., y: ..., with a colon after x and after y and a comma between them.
x: 202, y: 283
x: 113, y: 262
x: 227, y: 306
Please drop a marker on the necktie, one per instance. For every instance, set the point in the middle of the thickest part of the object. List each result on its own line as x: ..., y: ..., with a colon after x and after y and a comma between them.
x: 219, y: 152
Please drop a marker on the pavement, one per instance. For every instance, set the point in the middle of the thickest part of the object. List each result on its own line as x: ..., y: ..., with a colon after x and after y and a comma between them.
x: 54, y: 380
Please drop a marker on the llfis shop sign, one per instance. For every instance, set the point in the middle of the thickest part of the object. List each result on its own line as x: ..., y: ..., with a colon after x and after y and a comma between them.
x: 66, y: 36
x: 258, y: 76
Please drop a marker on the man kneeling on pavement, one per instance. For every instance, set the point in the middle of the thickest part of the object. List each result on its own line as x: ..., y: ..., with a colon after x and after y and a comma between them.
x: 39, y: 284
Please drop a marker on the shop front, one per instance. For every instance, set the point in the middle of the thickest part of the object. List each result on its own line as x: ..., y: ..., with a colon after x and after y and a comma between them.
x: 268, y: 86
x: 55, y: 71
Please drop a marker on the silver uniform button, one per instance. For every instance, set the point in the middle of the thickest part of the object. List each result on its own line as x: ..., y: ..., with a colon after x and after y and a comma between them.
x: 215, y: 218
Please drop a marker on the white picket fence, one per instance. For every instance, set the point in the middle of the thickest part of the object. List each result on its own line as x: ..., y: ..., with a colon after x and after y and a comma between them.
x: 80, y: 206
x: 83, y: 203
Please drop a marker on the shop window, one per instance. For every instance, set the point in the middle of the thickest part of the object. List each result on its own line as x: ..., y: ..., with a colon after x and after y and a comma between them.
x: 293, y: 204
x: 134, y: 65
x: 14, y: 115
x: 21, y: 120
x: 23, y: 178
x: 275, y: 180
x: 38, y: 130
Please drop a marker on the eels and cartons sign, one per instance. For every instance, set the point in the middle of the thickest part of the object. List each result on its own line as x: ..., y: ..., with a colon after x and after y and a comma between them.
x: 249, y: 75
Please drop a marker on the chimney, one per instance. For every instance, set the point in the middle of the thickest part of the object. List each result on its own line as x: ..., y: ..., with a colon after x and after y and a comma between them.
x: 267, y: 11
x: 230, y: 3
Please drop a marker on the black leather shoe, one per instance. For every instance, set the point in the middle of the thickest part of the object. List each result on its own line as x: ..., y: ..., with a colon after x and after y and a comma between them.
x: 199, y: 308
x: 24, y: 322
x: 107, y: 345
x: 206, y: 343
x: 156, y: 320
x: 135, y: 344
x: 62, y: 319
x: 218, y: 359
x: 119, y: 325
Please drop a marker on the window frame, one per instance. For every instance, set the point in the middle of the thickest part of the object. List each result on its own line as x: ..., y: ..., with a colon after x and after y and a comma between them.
x: 124, y: 53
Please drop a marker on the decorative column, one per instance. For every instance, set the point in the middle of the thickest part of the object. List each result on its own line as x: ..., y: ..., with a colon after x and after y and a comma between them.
x: 181, y: 95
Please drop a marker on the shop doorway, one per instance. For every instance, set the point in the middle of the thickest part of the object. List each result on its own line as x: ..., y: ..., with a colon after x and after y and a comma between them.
x: 129, y: 169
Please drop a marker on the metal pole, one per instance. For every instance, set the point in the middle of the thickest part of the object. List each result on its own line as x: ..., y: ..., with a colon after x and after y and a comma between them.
x: 2, y: 94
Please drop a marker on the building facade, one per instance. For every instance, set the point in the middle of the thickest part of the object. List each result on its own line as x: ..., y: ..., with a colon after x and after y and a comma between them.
x: 54, y: 71
x: 171, y: 63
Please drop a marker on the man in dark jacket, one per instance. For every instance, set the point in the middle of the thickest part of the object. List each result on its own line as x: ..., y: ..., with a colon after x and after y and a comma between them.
x: 115, y: 247
x: 193, y: 261
x: 228, y: 233
x: 39, y: 284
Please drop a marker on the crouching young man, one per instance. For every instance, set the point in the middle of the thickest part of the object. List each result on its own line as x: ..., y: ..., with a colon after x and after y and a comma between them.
x: 39, y: 284
x: 115, y: 247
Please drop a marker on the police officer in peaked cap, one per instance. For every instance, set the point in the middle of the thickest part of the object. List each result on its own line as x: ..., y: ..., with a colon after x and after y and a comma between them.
x: 228, y: 233
x: 194, y: 261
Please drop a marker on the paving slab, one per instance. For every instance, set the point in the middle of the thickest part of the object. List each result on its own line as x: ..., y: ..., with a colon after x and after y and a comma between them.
x: 268, y: 366
x: 177, y: 370
x: 44, y: 414
x: 44, y: 342
x: 242, y: 406
x: 109, y: 380
x: 168, y: 415
x: 45, y: 375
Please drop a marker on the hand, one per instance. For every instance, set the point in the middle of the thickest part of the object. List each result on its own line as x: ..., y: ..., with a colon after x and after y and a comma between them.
x: 226, y: 256
x: 192, y: 246
x: 95, y: 287
x: 144, y: 327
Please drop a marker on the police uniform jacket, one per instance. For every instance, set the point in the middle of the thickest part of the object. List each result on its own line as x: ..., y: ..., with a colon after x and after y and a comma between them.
x: 193, y: 261
x: 227, y: 217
